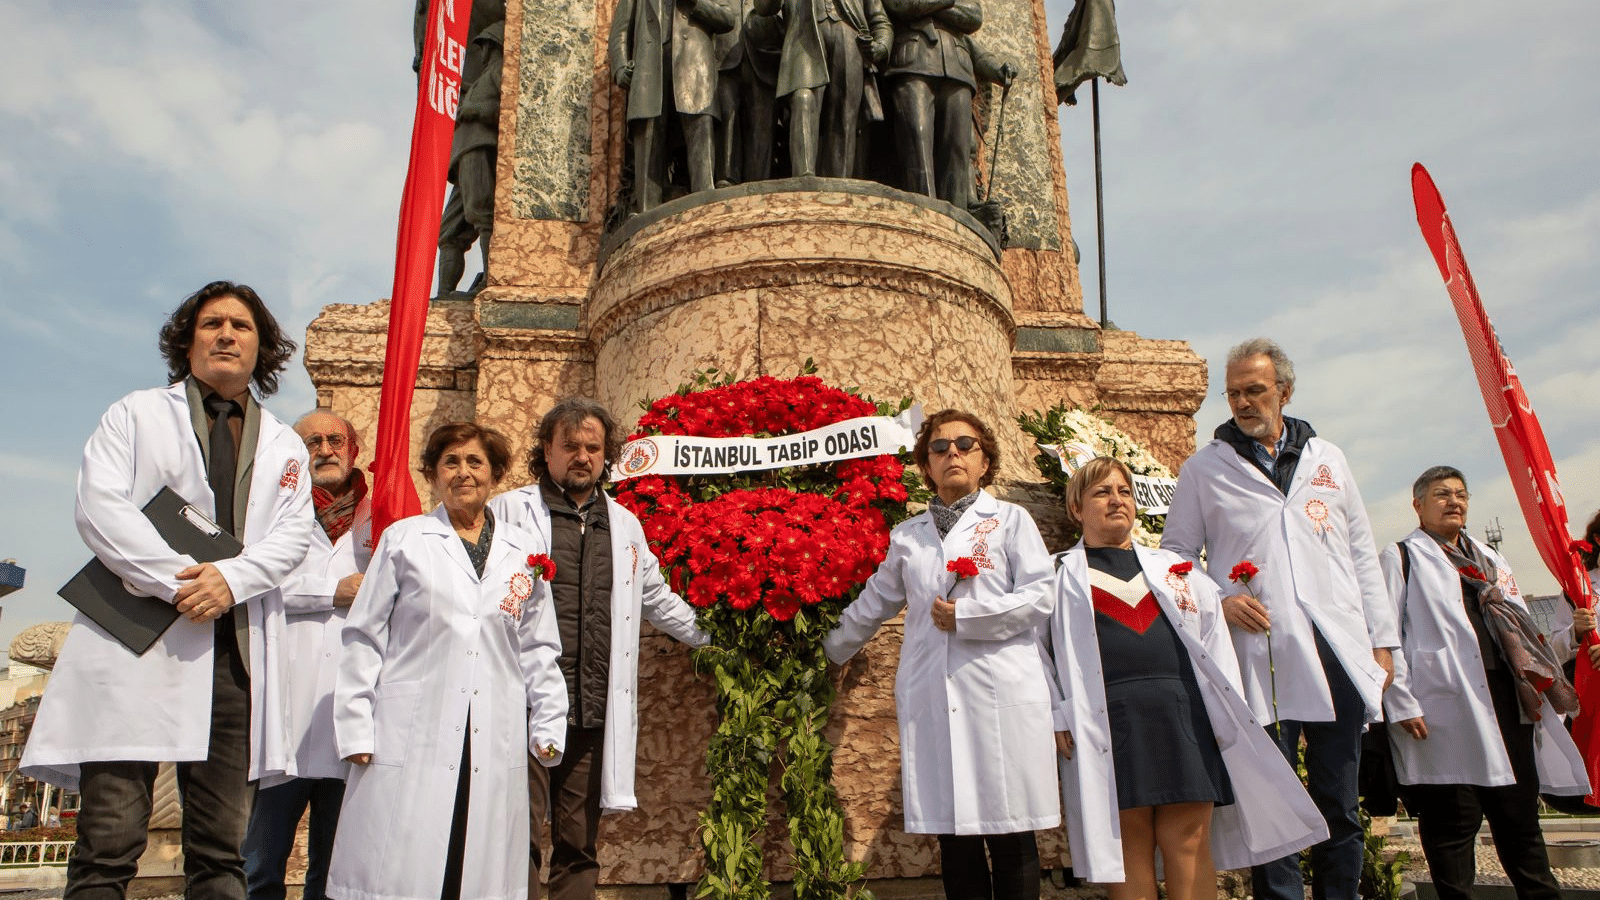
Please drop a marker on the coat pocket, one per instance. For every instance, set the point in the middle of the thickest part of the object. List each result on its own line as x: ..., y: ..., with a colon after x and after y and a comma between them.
x: 393, y: 715
x: 1432, y: 673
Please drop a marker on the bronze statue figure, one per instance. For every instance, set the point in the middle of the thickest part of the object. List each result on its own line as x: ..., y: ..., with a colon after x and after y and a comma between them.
x: 829, y: 46
x: 469, y: 211
x: 933, y: 73
x: 662, y: 54
x: 747, y: 101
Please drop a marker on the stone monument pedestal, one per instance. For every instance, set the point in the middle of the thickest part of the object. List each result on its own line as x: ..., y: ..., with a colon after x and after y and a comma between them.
x: 896, y: 294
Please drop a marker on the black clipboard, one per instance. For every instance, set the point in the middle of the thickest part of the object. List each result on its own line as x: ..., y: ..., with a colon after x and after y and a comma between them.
x: 137, y: 621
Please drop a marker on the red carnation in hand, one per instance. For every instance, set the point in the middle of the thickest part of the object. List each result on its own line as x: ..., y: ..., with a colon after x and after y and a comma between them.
x: 542, y: 566
x: 1182, y: 568
x: 1243, y: 572
x: 963, y: 566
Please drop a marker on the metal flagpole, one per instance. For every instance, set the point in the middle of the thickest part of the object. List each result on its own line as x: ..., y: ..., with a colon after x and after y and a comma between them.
x: 1099, y: 197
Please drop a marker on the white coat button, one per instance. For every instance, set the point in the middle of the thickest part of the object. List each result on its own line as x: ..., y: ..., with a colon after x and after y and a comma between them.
x: 452, y: 767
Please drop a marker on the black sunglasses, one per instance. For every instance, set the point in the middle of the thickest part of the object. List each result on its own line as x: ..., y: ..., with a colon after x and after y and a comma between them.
x: 964, y: 443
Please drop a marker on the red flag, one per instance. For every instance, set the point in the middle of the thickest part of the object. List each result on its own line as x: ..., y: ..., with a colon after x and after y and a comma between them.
x: 1522, y: 443
x: 394, y: 495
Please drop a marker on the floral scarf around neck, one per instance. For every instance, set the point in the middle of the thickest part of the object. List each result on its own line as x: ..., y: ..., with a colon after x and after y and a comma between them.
x: 337, y: 514
x: 1532, y: 662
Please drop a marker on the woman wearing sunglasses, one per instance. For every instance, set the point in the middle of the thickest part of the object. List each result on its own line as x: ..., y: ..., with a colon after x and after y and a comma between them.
x: 977, y: 752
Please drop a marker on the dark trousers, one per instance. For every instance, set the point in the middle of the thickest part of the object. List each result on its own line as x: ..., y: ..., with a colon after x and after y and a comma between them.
x: 114, y: 821
x: 455, y: 858
x: 1333, y: 763
x: 1448, y: 815
x: 1011, y: 871
x: 270, y: 838
x: 933, y: 134
x: 570, y: 792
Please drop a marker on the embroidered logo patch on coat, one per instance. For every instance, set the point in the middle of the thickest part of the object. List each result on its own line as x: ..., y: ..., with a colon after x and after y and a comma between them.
x: 980, y: 544
x: 1181, y: 594
x: 291, y: 476
x: 1324, y: 479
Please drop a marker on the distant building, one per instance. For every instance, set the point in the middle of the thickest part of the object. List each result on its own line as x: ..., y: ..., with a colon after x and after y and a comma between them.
x: 1550, y: 614
x: 11, y: 576
x: 20, y: 692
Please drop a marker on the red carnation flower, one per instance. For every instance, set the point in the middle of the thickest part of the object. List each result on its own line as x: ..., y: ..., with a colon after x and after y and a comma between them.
x: 542, y: 566
x: 1243, y: 572
x: 1182, y: 568
x: 963, y: 566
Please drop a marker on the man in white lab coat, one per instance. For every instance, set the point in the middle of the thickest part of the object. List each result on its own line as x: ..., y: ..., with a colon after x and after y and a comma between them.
x: 1314, y: 630
x: 606, y: 578
x: 196, y: 697
x: 316, y: 599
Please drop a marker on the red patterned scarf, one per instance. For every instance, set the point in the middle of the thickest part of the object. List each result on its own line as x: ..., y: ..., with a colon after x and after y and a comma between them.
x: 337, y: 514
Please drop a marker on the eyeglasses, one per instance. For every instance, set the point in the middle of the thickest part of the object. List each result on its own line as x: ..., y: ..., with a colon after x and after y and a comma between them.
x: 1447, y: 494
x: 1253, y: 392
x: 335, y: 442
x: 964, y: 443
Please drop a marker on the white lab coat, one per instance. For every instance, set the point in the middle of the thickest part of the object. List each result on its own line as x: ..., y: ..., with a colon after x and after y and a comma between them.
x: 1438, y: 674
x: 977, y: 755
x: 1318, y: 565
x: 1271, y: 817
x: 313, y: 643
x: 107, y: 704
x: 428, y: 654
x: 636, y: 590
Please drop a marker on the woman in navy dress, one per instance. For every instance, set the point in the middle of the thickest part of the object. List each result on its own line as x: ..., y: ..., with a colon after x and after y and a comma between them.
x: 1147, y: 684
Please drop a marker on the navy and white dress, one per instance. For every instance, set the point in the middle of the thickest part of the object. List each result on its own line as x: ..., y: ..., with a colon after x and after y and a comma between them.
x: 1162, y: 742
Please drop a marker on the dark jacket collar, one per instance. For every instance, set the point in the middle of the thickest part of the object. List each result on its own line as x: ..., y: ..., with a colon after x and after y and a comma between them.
x: 1282, y: 473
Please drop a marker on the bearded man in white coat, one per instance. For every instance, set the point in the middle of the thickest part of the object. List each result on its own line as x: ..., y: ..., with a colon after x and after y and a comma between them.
x: 316, y: 600
x: 606, y: 578
x: 196, y: 697
x: 1268, y: 491
x: 1472, y: 737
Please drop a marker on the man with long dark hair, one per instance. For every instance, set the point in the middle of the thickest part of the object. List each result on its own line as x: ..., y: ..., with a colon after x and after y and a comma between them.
x: 606, y: 578
x: 195, y: 696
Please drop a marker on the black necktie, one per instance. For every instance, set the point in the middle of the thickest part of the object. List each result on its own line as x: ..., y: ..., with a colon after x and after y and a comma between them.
x: 224, y: 461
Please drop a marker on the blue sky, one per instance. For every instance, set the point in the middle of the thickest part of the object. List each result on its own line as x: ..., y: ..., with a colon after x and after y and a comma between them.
x: 1256, y: 183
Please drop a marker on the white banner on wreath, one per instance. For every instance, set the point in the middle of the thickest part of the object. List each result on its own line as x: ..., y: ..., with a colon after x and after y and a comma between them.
x: 1152, y: 495
x: 677, y: 454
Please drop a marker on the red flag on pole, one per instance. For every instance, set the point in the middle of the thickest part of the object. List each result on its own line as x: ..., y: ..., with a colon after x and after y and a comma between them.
x: 1522, y: 443
x: 394, y: 495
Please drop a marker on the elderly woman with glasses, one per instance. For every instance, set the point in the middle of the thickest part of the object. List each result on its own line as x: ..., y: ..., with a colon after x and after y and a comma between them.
x: 1474, y: 713
x: 1159, y: 750
x: 971, y: 694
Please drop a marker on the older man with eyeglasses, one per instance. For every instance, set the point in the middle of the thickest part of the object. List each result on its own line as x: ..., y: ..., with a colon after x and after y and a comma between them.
x: 1314, y: 630
x: 316, y: 599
